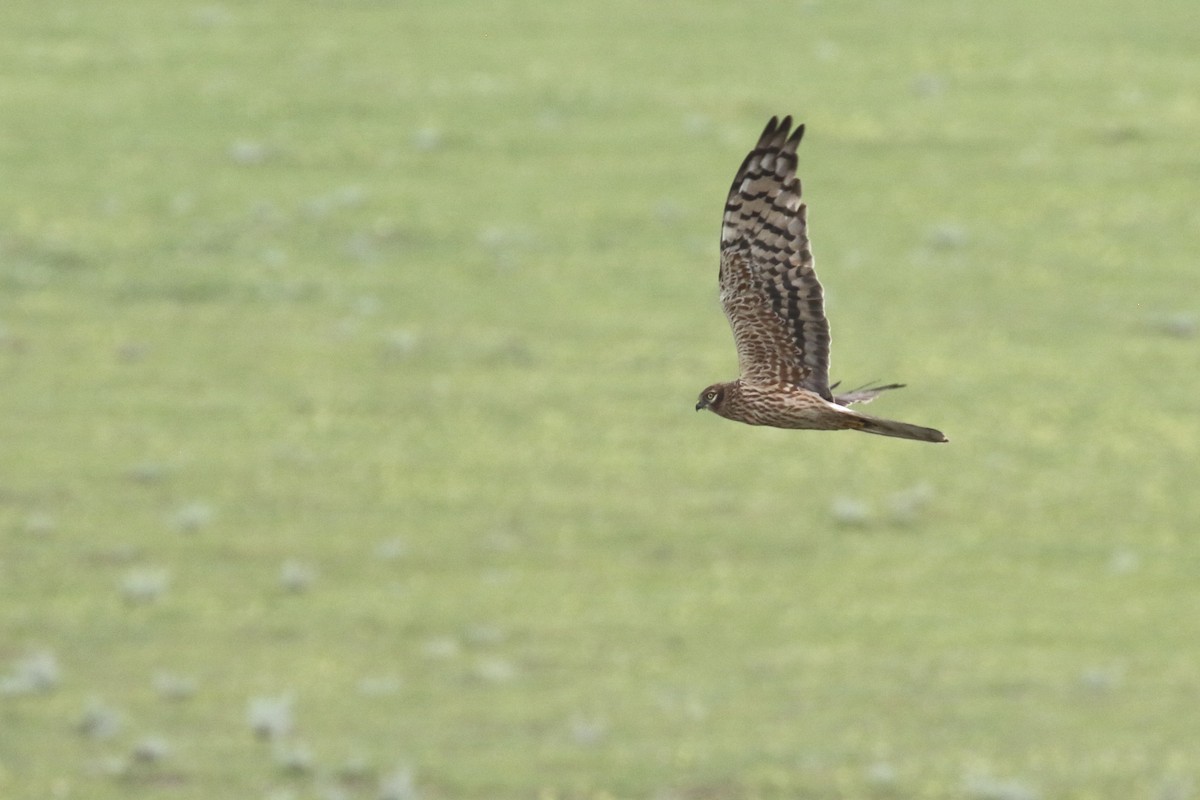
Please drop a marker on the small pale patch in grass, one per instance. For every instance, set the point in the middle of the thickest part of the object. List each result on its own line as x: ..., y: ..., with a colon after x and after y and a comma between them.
x: 851, y: 512
x: 357, y: 768
x: 35, y: 673
x: 145, y: 585
x: 495, y: 670
x: 39, y: 523
x: 483, y: 634
x: 400, y: 784
x: 391, y: 549
x: 98, y: 721
x: 441, y: 648
x: 341, y: 199
x: 192, y: 517
x: 907, y: 505
x: 151, y: 750
x: 170, y: 686
x: 947, y: 236
x: 881, y: 775
x: 427, y: 138
x: 296, y: 577
x: 401, y: 342
x: 697, y: 124
x: 294, y: 758
x: 587, y: 731
x: 247, y: 153
x: 929, y: 85
x: 270, y: 718
x: 979, y: 787
x: 147, y: 472
x: 1101, y: 680
x: 1177, y: 325
x: 380, y: 685
x: 1124, y: 561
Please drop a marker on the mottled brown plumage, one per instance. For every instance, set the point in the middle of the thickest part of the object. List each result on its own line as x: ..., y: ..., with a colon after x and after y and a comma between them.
x: 776, y: 307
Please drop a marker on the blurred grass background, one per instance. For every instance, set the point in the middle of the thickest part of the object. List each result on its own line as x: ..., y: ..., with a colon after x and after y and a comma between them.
x: 347, y: 361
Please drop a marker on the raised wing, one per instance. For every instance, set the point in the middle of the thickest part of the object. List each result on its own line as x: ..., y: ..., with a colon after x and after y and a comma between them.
x: 769, y: 289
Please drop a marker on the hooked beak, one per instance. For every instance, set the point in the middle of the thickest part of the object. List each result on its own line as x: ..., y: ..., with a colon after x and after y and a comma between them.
x: 701, y: 405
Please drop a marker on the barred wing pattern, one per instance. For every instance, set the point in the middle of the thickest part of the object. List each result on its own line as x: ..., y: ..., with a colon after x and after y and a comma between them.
x: 769, y: 289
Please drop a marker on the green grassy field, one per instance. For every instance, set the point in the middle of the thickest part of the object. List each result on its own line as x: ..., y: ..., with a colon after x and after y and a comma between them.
x: 347, y: 361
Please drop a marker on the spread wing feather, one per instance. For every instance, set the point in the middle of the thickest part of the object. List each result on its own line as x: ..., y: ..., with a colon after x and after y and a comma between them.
x: 769, y: 289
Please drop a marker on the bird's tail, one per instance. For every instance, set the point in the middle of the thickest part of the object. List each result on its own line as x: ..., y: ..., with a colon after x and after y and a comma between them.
x: 900, y: 430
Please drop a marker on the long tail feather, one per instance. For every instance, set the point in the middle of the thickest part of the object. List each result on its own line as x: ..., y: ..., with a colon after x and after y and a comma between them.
x: 900, y: 430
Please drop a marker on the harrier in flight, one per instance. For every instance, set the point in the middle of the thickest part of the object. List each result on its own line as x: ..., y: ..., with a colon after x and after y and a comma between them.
x: 776, y: 307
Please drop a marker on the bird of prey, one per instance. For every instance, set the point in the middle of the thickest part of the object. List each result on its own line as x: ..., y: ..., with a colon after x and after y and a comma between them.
x: 776, y: 307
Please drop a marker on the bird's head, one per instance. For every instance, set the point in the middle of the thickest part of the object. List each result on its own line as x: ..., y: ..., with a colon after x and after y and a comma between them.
x: 712, y: 398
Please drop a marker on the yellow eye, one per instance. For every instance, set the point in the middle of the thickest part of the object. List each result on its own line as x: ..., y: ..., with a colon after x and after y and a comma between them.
x: 710, y: 396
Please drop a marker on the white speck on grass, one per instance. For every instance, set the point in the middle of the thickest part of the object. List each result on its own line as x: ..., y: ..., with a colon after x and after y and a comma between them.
x: 294, y: 758
x: 1101, y: 680
x: 826, y: 50
x: 112, y: 766
x: 98, y: 721
x: 441, y: 648
x: 296, y: 577
x: 483, y: 634
x: 247, y: 153
x: 363, y: 247
x: 587, y: 731
x: 35, y: 673
x: 181, y: 204
x: 1124, y: 561
x: 192, y: 517
x: 881, y: 775
x: 379, y: 686
x: 427, y: 139
x: 929, y: 85
x: 988, y: 788
x: 145, y: 585
x: 1176, y: 788
x: 391, y: 549
x: 132, y: 352
x: 274, y: 257
x: 401, y: 342
x: 170, y: 686
x: 340, y: 199
x: 400, y: 784
x: 39, y: 523
x: 947, y: 236
x: 1178, y: 325
x: 851, y: 512
x: 501, y: 240
x: 212, y: 16
x: 147, y: 472
x: 697, y: 124
x: 355, y: 769
x: 549, y: 120
x: 907, y: 505
x: 495, y: 669
x: 270, y: 717
x: 331, y: 791
x: 367, y: 305
x: 151, y: 750
x: 500, y: 541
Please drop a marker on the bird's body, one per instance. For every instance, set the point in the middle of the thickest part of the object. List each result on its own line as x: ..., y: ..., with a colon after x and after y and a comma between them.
x: 775, y: 305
